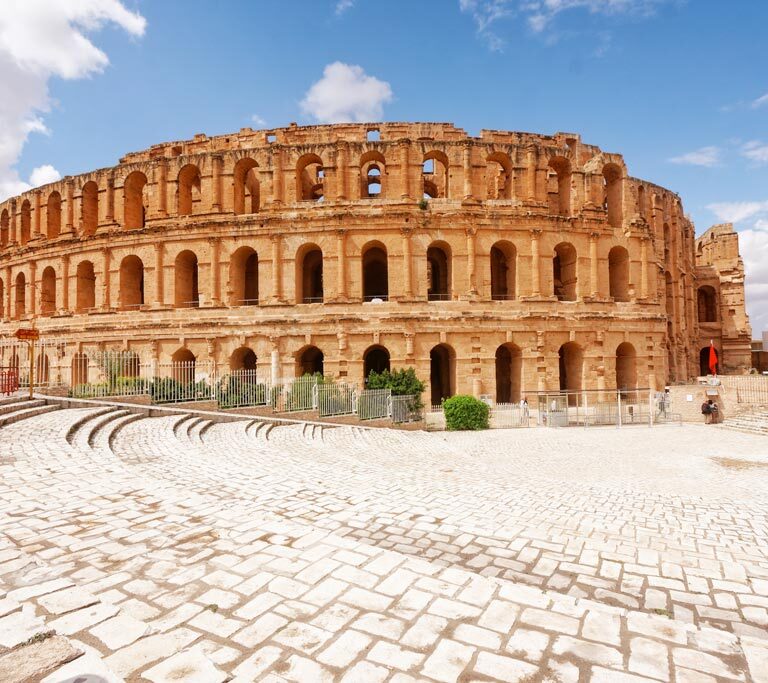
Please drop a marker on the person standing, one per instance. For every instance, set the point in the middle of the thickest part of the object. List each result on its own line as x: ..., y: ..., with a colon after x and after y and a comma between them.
x: 706, y: 411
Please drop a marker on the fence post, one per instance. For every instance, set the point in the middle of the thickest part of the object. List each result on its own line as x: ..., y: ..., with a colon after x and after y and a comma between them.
x: 618, y: 399
x: 650, y: 408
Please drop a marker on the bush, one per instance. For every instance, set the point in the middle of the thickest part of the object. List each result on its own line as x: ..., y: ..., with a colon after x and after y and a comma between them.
x: 399, y: 382
x: 465, y: 412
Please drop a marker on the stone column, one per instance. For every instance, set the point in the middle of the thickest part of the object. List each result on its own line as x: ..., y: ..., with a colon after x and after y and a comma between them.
x: 38, y: 215
x: 644, y: 267
x: 277, y: 268
x: 32, y: 308
x: 64, y: 283
x: 216, y: 162
x: 277, y: 184
x: 467, y: 159
x: 535, y: 265
x: 110, y: 217
x: 215, y: 271
x: 8, y: 293
x: 531, y: 173
x: 472, y: 260
x: 162, y: 188
x: 341, y: 265
x: 405, y: 170
x: 407, y: 263
x: 593, y: 271
x: 341, y: 171
x: 159, y: 274
x: 70, y: 226
x: 12, y: 236
x: 106, y: 300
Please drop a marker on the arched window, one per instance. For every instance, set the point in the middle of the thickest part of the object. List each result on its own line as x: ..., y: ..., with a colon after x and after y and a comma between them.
x: 435, y: 175
x: 89, y: 212
x: 79, y: 370
x: 564, y: 276
x: 442, y: 373
x: 5, y: 224
x: 439, y: 272
x: 247, y: 195
x: 244, y: 277
x: 560, y: 186
x: 704, y: 369
x: 309, y: 178
x: 626, y: 367
x: 86, y: 287
x: 183, y: 366
x: 42, y: 369
x: 53, y: 212
x: 189, y: 190
x: 133, y: 201
x: 20, y: 296
x: 48, y: 291
x: 707, y: 304
x: 509, y: 365
x: 372, y: 171
x: 375, y: 272
x: 26, y: 222
x: 131, y: 282
x: 309, y: 361
x: 309, y: 274
x: 503, y: 267
x: 612, y: 201
x: 618, y: 273
x: 186, y: 290
x: 242, y: 359
x: 571, y: 363
x: 375, y: 359
x: 498, y: 175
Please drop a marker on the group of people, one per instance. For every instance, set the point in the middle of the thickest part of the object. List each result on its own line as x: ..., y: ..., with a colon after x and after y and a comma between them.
x: 710, y: 411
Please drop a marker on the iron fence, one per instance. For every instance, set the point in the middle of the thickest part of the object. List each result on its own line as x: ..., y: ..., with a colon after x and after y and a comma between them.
x: 243, y: 388
x: 405, y: 409
x: 508, y: 415
x: 750, y: 389
x: 374, y: 404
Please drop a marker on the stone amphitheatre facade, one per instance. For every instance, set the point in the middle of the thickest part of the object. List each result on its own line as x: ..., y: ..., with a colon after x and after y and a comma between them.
x: 501, y: 264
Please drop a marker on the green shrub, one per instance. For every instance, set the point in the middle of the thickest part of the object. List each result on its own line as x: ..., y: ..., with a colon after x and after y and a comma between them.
x: 465, y: 412
x: 399, y: 382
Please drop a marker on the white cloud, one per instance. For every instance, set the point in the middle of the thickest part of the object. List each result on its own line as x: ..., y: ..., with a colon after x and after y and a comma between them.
x: 705, y: 156
x: 258, y: 120
x: 756, y: 151
x: 760, y: 101
x: 39, y: 40
x: 343, y: 5
x: 735, y: 212
x: 346, y: 93
x: 42, y: 175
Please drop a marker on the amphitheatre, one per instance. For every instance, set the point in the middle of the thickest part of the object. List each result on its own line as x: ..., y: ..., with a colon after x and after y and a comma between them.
x: 152, y: 530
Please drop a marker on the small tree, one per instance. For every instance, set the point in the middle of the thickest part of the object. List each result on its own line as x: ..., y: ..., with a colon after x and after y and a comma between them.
x: 465, y: 412
x: 400, y: 382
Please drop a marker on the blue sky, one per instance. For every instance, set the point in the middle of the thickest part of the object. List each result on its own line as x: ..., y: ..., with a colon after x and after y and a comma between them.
x: 674, y: 86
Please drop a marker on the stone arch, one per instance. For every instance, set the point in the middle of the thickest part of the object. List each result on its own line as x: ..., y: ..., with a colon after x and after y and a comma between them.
x: 618, y: 273
x: 309, y: 361
x: 89, y: 208
x: 373, y: 167
x: 503, y: 271
x: 246, y: 187
x: 509, y: 366
x: 26, y: 222
x: 131, y: 282
x: 189, y: 190
x: 704, y: 361
x: 20, y: 296
x: 564, y: 272
x: 498, y: 176
x: 48, y: 291
x: 79, y: 369
x: 134, y: 207
x: 310, y: 177
x: 183, y: 364
x: 571, y: 368
x: 243, y: 358
x: 706, y: 299
x: 375, y: 271
x: 85, y: 287
x: 309, y: 274
x: 439, y: 271
x: 5, y: 224
x: 53, y: 215
x: 435, y: 175
x: 612, y: 176
x: 186, y: 291
x: 560, y: 187
x: 375, y: 359
x: 244, y: 277
x: 626, y: 367
x: 442, y: 372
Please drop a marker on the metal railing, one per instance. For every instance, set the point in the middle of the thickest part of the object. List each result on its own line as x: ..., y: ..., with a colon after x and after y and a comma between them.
x: 335, y: 399
x: 405, y: 409
x: 750, y: 389
x: 509, y: 415
x: 438, y: 296
x: 243, y: 388
x: 9, y: 381
x: 374, y: 404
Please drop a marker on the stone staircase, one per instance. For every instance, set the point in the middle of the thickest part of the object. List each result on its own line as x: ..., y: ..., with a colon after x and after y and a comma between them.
x: 755, y: 421
x: 15, y: 408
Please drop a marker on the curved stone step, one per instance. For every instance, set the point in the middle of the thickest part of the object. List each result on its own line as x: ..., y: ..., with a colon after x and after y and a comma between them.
x: 14, y: 405
x: 101, y: 423
x: 10, y: 418
x: 74, y: 430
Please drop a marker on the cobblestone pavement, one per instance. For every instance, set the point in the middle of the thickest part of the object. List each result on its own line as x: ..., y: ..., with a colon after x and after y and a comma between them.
x: 175, y: 549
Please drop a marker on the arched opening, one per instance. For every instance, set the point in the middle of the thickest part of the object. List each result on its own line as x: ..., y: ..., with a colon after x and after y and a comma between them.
x: 20, y: 296
x: 618, y: 273
x: 498, y: 176
x: 42, y: 369
x: 86, y: 287
x: 560, y: 186
x: 667, y: 244
x: 375, y: 359
x: 509, y: 365
x: 131, y: 282
x: 186, y: 290
x: 642, y: 202
x: 571, y: 362
x: 612, y: 198
x: 48, y: 291
x: 244, y: 277
x: 134, y: 208
x: 247, y: 195
x: 372, y: 171
x: 626, y: 367
x: 5, y: 224
x: 310, y: 176
x: 309, y: 361
x: 183, y: 366
x: 704, y: 361
x: 564, y: 276
x: 375, y: 272
x: 2, y: 300
x: 503, y: 271
x: 242, y: 359
x: 309, y: 274
x: 706, y: 298
x: 189, y: 190
x: 89, y: 210
x: 435, y: 175
x: 670, y: 296
x: 26, y: 222
x: 53, y: 214
x: 442, y: 373
x: 79, y: 369
x: 439, y: 272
